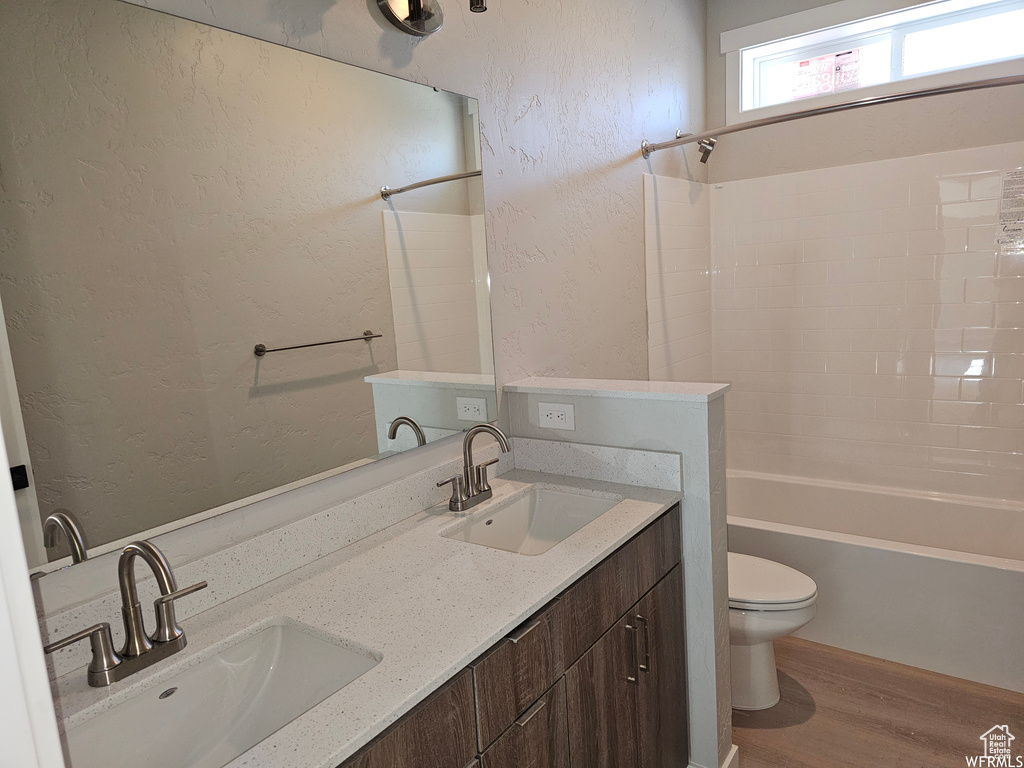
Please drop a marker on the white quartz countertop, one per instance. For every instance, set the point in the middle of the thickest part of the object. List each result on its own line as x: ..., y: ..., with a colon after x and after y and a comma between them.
x: 696, y: 392
x: 432, y: 379
x: 426, y: 605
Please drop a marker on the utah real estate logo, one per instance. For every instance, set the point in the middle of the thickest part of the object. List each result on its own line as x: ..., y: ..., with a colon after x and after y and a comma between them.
x: 998, y: 750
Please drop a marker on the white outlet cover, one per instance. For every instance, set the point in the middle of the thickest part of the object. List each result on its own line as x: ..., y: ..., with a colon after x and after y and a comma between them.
x: 557, y: 416
x: 471, y: 408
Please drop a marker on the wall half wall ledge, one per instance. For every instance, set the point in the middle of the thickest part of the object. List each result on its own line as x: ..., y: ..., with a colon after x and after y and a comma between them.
x: 693, y: 392
x: 686, y: 419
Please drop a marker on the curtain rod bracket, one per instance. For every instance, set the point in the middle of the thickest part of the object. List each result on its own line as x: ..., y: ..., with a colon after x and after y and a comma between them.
x: 645, y: 145
x: 706, y: 147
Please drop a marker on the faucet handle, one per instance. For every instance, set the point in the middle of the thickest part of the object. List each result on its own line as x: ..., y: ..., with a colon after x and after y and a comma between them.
x: 167, y: 628
x: 104, y: 657
x: 459, y: 496
x: 482, y: 483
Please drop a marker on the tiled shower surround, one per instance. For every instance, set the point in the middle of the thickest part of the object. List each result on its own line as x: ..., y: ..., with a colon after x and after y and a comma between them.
x: 439, y: 301
x: 677, y: 240
x: 870, y: 327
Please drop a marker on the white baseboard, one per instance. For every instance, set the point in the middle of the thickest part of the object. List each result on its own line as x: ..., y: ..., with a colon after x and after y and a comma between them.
x: 732, y: 760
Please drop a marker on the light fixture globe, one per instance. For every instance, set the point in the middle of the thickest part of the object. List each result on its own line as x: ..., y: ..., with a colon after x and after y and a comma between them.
x: 414, y: 17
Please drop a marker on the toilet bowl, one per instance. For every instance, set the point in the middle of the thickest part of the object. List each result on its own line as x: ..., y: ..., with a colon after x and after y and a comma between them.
x: 767, y: 600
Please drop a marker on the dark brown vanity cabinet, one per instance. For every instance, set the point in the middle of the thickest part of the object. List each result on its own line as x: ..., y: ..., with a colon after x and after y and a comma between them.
x: 626, y: 696
x: 601, y: 704
x: 539, y: 738
x: 661, y: 684
x: 516, y: 672
x: 439, y: 733
x: 595, y: 678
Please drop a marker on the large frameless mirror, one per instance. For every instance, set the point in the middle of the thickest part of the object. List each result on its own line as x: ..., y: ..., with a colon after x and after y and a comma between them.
x: 187, y: 215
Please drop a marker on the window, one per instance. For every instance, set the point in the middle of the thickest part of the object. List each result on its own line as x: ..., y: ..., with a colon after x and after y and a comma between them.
x: 923, y: 40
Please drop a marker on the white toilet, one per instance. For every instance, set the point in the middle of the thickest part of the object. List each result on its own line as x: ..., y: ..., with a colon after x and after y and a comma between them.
x: 767, y: 600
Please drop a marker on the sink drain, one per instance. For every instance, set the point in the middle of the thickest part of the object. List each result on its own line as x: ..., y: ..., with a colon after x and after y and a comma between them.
x: 168, y: 693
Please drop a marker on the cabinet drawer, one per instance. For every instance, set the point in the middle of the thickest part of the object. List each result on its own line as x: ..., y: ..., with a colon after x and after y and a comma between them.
x: 602, y: 597
x: 658, y: 550
x: 539, y: 738
x: 510, y: 677
x: 439, y: 733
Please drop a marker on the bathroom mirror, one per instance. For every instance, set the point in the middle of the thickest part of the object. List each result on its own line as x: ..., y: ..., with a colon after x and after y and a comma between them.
x: 173, y: 195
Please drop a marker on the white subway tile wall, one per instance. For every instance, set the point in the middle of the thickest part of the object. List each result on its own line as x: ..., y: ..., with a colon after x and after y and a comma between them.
x: 870, y: 327
x: 677, y: 233
x: 435, y: 293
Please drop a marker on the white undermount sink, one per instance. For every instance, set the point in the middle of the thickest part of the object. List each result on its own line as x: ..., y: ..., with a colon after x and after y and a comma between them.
x: 531, y: 521
x: 221, y: 707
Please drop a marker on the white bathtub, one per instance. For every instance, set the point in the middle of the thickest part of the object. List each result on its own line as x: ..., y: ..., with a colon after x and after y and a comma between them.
x: 932, y: 581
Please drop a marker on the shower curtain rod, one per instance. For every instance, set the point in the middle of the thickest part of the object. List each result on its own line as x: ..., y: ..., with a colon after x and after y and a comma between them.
x: 387, y: 192
x: 707, y: 139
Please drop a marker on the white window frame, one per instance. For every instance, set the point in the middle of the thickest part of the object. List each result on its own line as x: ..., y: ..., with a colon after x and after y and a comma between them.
x: 844, y: 12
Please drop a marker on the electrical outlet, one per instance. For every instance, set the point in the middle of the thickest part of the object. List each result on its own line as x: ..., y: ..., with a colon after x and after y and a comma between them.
x: 471, y: 408
x: 558, y: 416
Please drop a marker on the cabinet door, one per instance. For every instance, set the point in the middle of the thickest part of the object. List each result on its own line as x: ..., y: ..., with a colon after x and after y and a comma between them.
x: 539, y: 738
x: 659, y: 548
x: 661, y: 693
x: 439, y: 733
x: 601, y: 694
x: 592, y: 606
x: 604, y: 595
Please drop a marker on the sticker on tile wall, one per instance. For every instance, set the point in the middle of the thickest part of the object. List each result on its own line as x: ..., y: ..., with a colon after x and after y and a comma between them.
x: 1010, y: 236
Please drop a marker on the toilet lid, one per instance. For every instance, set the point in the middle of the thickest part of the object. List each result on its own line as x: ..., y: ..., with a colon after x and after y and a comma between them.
x: 756, y: 583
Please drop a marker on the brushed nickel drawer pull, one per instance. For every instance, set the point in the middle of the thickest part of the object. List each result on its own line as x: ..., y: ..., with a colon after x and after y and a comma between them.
x: 646, y: 665
x: 529, y: 714
x: 519, y: 633
x: 635, y: 657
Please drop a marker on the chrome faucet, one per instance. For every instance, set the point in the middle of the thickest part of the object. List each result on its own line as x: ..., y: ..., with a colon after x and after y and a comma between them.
x: 421, y: 439
x: 472, y: 487
x: 140, y: 650
x: 63, y: 522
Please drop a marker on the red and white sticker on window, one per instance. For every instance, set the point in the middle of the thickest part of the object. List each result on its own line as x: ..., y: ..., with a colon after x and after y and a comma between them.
x: 827, y: 74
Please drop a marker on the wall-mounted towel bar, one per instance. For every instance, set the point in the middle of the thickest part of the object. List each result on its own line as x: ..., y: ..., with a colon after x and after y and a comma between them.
x: 261, y: 349
x: 387, y: 192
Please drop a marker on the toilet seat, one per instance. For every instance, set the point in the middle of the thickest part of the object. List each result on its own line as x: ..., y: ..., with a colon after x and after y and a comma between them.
x: 756, y: 584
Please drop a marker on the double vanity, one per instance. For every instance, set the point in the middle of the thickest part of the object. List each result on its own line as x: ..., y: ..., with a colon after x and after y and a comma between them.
x: 513, y: 631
